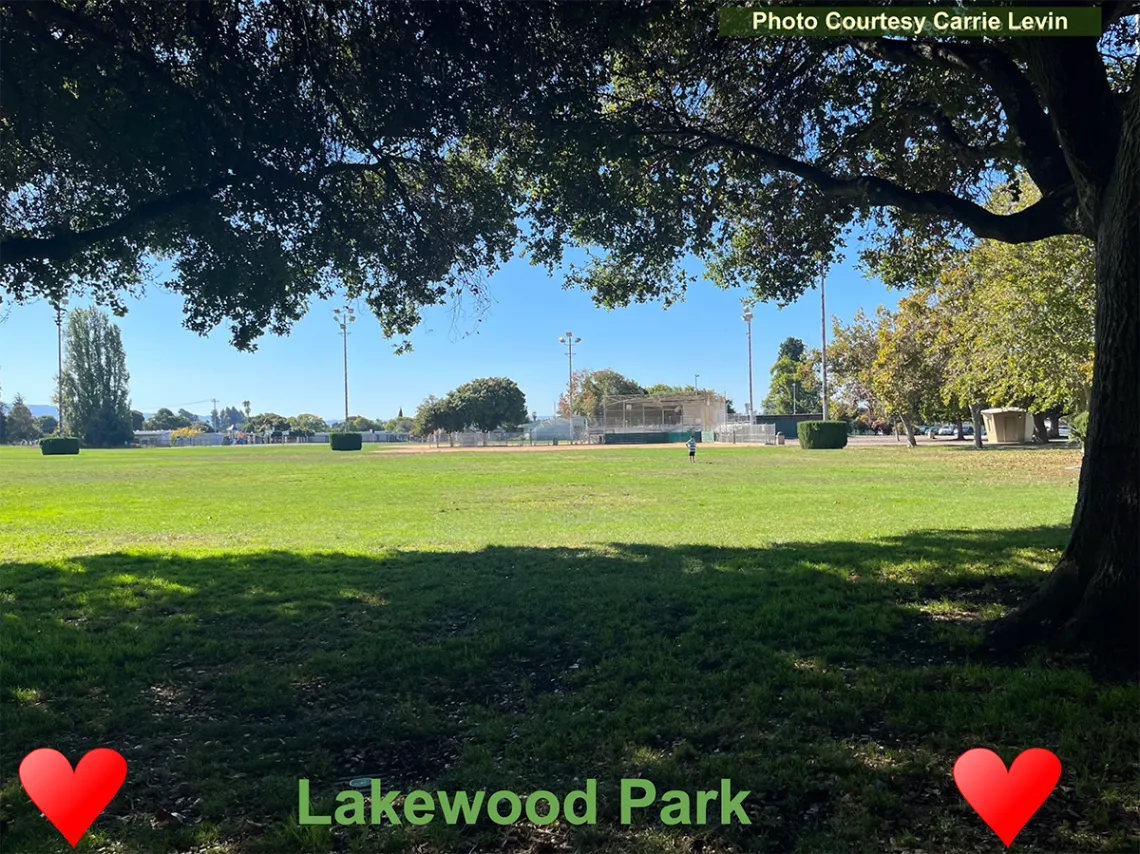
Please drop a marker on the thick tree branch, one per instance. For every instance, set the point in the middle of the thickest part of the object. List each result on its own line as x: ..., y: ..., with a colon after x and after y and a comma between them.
x: 66, y: 17
x: 1111, y: 12
x: 1040, y: 151
x: 1085, y: 113
x: 944, y: 127
x: 1050, y: 216
x: 66, y: 243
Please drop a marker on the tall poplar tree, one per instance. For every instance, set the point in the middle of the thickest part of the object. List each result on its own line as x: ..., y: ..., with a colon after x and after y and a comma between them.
x: 95, y: 381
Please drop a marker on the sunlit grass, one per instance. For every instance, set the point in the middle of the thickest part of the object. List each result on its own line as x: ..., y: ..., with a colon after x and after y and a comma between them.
x: 805, y: 624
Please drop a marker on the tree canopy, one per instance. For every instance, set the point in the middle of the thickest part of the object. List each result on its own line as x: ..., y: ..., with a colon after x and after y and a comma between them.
x: 794, y: 386
x: 275, y: 151
x: 906, y: 374
x: 487, y: 404
x: 21, y: 425
x: 267, y: 422
x: 1005, y: 325
x: 483, y: 404
x: 691, y: 152
x: 1017, y: 320
x: 165, y: 419
x: 306, y: 424
x: 591, y: 388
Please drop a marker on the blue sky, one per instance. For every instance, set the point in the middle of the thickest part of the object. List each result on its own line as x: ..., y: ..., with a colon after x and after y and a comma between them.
x: 518, y: 338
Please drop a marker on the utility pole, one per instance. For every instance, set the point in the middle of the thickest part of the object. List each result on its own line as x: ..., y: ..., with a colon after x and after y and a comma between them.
x: 214, y: 414
x: 823, y: 334
x: 344, y: 316
x: 696, y: 382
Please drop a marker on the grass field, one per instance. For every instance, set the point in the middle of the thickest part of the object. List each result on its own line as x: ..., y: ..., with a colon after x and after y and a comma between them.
x: 802, y: 623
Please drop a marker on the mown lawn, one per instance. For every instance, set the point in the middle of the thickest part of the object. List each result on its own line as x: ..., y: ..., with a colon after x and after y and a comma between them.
x: 803, y: 623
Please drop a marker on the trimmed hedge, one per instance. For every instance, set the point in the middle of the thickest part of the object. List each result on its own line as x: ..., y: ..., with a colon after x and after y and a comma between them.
x: 346, y: 441
x: 59, y: 445
x: 1079, y: 427
x: 823, y: 434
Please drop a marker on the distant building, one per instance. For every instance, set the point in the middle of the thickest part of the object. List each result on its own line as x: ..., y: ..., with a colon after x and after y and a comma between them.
x: 153, y: 438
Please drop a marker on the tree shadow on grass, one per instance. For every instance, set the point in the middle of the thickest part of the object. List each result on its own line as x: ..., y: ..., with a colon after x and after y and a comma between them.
x: 836, y: 681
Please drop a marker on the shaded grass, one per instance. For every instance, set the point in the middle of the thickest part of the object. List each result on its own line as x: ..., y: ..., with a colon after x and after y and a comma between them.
x: 836, y: 676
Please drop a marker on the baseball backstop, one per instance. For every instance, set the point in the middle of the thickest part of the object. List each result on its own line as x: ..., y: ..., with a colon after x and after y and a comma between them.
x: 652, y: 418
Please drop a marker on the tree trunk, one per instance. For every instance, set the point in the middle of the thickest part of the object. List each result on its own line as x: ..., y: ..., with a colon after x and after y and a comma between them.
x: 958, y: 427
x: 1091, y: 600
x: 979, y: 422
x: 909, y: 425
x: 1040, y: 431
x: 1054, y: 416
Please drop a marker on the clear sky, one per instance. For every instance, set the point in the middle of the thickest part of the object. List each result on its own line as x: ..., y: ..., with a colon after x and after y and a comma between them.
x: 518, y: 338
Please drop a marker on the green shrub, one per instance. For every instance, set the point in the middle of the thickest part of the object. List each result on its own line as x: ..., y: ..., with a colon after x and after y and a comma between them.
x: 346, y: 441
x: 1079, y: 427
x: 59, y: 445
x: 823, y: 434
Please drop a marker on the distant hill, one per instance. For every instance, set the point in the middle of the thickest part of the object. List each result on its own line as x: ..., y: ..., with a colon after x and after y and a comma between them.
x: 38, y: 409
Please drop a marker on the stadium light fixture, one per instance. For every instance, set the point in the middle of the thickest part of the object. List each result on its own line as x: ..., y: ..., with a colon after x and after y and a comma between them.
x: 569, y: 340
x: 748, y: 319
x: 823, y: 332
x: 60, y: 311
x: 344, y: 316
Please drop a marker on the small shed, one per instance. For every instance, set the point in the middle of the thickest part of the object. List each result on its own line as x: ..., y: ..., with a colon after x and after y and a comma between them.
x: 1008, y: 425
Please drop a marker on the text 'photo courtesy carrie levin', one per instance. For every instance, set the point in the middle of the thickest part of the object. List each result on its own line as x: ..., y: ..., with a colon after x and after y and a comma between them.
x: 839, y: 21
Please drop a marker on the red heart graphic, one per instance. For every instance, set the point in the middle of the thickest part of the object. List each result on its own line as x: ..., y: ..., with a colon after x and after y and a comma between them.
x: 71, y: 800
x: 1006, y: 800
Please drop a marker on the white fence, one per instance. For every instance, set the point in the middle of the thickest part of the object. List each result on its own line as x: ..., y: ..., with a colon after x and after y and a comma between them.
x: 745, y: 433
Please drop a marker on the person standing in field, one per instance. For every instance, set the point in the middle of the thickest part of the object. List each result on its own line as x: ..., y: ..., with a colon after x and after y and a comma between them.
x: 692, y: 446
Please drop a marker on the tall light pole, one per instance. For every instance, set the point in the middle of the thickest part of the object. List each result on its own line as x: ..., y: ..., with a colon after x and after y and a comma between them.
x: 748, y: 319
x: 696, y: 382
x: 344, y: 316
x: 823, y: 334
x: 60, y: 310
x: 569, y: 340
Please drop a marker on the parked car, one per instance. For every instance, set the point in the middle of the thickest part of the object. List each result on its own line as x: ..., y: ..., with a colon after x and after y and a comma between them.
x: 932, y: 432
x: 967, y: 429
x: 948, y: 430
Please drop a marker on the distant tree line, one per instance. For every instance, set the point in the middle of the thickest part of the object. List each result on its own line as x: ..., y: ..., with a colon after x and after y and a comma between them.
x: 95, y: 405
x: 305, y: 424
x: 1001, y: 325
